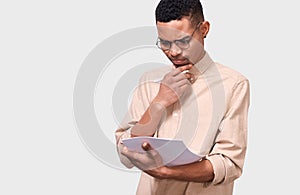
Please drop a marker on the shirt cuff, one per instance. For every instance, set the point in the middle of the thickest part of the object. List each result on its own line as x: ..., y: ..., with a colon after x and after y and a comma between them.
x: 218, y: 167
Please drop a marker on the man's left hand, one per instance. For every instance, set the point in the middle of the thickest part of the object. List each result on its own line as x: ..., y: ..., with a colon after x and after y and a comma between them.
x: 150, y: 161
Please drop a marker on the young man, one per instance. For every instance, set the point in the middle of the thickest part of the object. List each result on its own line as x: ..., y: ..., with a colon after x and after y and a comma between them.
x: 197, y: 100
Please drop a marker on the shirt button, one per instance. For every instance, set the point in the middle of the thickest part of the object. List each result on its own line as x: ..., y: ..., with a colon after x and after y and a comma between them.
x: 175, y: 114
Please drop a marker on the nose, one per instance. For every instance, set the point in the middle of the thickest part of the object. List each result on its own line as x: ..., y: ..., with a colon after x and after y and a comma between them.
x: 175, y: 50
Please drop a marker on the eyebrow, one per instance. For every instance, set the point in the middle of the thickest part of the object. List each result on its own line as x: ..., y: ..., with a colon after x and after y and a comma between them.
x: 186, y: 37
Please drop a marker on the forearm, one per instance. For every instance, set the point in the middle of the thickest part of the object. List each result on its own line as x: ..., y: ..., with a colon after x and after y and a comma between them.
x: 150, y: 120
x: 171, y: 88
x: 201, y: 171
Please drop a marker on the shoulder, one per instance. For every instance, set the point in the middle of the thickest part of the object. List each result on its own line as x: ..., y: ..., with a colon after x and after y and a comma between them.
x: 230, y: 75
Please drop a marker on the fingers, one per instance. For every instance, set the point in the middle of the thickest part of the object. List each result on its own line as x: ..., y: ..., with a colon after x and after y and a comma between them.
x: 178, y: 74
x: 181, y: 69
x: 134, y: 157
x: 183, y: 76
x: 130, y: 154
x: 183, y: 83
x: 126, y: 152
x: 179, y: 77
x: 173, y: 85
x: 182, y: 73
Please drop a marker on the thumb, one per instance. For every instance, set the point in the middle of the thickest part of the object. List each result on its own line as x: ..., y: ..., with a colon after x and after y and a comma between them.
x: 146, y: 146
x: 150, y: 151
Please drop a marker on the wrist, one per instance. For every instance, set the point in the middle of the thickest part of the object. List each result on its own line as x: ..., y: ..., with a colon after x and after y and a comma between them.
x: 166, y: 173
x: 148, y: 124
x: 163, y: 104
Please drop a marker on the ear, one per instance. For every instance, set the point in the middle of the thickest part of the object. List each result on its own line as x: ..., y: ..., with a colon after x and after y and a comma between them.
x: 204, y: 28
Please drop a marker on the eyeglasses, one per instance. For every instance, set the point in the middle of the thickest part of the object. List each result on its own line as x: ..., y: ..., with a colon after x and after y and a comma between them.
x: 183, y: 43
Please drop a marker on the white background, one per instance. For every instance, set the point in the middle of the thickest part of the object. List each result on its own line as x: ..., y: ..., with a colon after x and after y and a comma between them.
x: 42, y: 46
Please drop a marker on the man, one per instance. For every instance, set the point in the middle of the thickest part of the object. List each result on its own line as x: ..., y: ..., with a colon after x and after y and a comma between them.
x: 197, y: 100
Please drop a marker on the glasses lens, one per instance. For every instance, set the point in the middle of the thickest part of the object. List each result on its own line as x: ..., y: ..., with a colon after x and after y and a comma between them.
x: 183, y: 44
x: 163, y: 44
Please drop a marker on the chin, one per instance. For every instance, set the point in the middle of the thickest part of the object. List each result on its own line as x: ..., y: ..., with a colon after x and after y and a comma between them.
x: 180, y: 64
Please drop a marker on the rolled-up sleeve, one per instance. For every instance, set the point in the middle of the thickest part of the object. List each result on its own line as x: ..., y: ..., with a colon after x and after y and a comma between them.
x: 139, y: 105
x: 228, y: 153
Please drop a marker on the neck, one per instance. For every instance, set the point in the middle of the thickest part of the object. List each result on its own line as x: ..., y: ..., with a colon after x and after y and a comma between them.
x: 201, y: 55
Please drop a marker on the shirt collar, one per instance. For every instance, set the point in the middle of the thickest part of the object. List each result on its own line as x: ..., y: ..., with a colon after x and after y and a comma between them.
x: 201, y: 66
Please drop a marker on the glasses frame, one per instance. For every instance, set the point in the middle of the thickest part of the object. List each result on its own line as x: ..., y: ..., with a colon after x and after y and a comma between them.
x: 179, y: 40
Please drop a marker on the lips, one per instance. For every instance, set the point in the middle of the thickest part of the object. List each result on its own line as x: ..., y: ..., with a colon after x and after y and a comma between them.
x: 179, y: 62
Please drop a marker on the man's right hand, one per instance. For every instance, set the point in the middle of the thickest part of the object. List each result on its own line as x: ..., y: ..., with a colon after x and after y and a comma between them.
x: 173, y: 86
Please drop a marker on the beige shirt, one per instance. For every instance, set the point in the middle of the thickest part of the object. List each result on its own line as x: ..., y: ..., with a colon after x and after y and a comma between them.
x: 211, y: 119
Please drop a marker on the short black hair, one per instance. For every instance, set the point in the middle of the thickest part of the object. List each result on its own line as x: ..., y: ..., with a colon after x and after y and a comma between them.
x: 168, y: 10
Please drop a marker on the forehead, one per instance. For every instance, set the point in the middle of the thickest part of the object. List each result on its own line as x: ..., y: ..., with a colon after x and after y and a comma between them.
x: 174, y: 29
